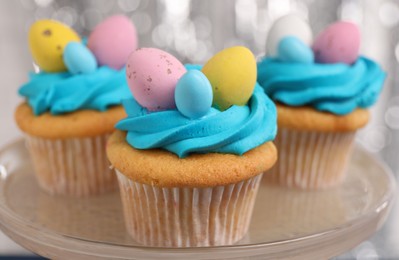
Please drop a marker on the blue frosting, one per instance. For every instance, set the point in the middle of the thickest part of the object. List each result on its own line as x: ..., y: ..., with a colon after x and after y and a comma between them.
x: 189, y: 66
x: 337, y: 88
x: 235, y: 130
x: 64, y: 92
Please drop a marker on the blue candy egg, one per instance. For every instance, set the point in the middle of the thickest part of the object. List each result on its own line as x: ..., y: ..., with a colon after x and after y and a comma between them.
x: 79, y: 59
x: 193, y: 94
x: 292, y: 49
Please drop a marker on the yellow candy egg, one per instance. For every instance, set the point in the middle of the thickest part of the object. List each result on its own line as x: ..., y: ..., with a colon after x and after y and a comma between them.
x: 47, y: 40
x: 232, y: 73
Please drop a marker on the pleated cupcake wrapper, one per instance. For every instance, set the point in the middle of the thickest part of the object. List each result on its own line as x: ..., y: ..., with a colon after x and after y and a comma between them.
x: 187, y: 217
x: 76, y: 166
x: 311, y: 160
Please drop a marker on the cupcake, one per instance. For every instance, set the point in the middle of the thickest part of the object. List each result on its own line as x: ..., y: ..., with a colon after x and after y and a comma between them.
x: 73, y: 103
x: 322, y: 95
x: 188, y: 170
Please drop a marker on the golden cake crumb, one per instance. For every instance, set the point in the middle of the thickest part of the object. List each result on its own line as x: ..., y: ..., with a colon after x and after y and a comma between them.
x: 165, y: 169
x: 307, y: 118
x: 82, y: 123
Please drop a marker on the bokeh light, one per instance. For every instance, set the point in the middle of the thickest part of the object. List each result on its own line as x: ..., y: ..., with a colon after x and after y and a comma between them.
x: 389, y: 13
x: 392, y: 113
x: 143, y: 22
x: 90, y: 18
x: 43, y: 3
x: 351, y: 11
x: 375, y: 138
x: 397, y: 52
x: 366, y: 250
x: 44, y: 13
x: 128, y: 5
x: 66, y: 15
x: 28, y: 4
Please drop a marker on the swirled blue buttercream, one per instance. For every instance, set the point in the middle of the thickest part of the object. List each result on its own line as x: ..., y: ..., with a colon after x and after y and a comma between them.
x: 64, y: 92
x: 189, y: 66
x: 337, y: 88
x: 235, y: 130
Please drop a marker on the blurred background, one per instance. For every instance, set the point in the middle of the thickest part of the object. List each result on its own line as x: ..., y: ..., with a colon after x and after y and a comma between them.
x: 194, y: 31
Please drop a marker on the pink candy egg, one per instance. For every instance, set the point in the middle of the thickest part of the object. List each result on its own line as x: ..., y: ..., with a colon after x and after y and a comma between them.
x: 152, y: 75
x: 113, y: 40
x: 340, y: 42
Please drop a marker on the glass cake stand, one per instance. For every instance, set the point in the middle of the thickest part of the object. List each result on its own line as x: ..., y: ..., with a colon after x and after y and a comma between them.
x: 286, y: 224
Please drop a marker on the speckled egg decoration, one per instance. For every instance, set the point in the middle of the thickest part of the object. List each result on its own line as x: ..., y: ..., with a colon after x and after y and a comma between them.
x: 47, y: 40
x: 152, y: 75
x: 113, y: 40
x: 339, y: 42
x: 79, y: 59
x: 193, y: 94
x: 288, y: 25
x: 232, y: 73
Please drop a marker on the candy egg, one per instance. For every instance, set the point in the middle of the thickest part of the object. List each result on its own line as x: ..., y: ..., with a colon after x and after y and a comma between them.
x: 113, y: 40
x: 79, y: 59
x: 47, y: 40
x: 232, y: 73
x: 193, y: 94
x: 339, y: 42
x: 288, y: 25
x: 152, y: 75
x: 292, y: 49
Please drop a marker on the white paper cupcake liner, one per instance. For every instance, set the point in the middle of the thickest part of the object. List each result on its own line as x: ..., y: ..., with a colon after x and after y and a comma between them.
x: 311, y: 160
x: 187, y: 217
x: 75, y: 166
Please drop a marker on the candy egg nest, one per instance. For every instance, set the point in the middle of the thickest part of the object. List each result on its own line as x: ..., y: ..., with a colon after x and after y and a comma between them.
x: 158, y: 81
x: 290, y: 40
x: 55, y: 47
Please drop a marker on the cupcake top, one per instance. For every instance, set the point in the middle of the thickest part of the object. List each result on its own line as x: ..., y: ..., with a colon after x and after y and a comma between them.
x: 217, y: 108
x: 77, y: 75
x: 330, y: 77
x: 161, y: 168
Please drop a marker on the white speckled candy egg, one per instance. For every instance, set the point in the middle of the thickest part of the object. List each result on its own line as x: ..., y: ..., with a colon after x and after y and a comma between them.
x: 288, y: 25
x: 152, y: 75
